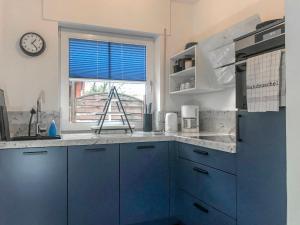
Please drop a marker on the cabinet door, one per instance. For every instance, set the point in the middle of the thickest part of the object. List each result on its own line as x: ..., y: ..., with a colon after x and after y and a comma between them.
x: 144, y: 182
x: 33, y: 188
x: 93, y: 185
x: 261, y: 169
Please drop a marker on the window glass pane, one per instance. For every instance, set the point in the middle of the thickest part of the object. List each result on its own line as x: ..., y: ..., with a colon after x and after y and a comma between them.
x: 128, y: 62
x: 106, y: 60
x: 88, y: 97
x: 88, y: 59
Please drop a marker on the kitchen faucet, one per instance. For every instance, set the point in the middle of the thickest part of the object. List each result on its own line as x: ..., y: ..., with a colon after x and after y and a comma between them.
x: 39, y: 129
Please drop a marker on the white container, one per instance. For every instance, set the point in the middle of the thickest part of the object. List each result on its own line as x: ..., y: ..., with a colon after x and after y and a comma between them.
x: 188, y: 63
x: 171, y: 124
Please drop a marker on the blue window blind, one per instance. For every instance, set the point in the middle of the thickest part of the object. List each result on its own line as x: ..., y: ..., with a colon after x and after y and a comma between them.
x: 106, y: 60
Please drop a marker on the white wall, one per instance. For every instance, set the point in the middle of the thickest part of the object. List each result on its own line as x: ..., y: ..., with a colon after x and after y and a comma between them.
x: 190, y: 20
x: 293, y: 110
x: 23, y: 77
x: 208, y: 18
x: 181, y: 33
x: 150, y: 16
x: 1, y: 35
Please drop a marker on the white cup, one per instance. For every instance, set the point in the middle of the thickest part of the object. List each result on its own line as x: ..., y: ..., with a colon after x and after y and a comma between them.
x: 182, y: 86
x: 187, y: 85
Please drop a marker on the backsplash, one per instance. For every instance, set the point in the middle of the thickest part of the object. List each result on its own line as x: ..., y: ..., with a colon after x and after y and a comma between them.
x: 218, y: 121
x: 209, y: 121
x: 19, y: 120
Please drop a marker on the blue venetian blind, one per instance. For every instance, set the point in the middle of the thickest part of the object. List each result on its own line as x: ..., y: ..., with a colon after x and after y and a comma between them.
x: 106, y: 60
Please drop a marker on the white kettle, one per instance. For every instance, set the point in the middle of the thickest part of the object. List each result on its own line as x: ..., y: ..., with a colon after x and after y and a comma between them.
x: 171, y: 123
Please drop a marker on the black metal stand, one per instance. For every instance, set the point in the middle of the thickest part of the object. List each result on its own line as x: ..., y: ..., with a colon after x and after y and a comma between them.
x: 113, y: 94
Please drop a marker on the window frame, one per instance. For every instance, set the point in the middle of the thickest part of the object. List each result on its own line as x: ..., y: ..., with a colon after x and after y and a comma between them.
x: 65, y: 35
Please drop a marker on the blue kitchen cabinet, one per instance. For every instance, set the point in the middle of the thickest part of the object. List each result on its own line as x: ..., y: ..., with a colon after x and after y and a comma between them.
x: 261, y: 169
x: 210, y: 157
x: 209, y: 185
x: 173, y: 152
x: 192, y: 211
x: 33, y: 186
x: 93, y: 185
x: 144, y: 182
x: 205, y: 194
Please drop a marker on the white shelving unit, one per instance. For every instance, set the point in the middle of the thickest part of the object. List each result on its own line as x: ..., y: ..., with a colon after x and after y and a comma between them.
x: 184, y: 76
x: 183, y: 73
x: 189, y: 75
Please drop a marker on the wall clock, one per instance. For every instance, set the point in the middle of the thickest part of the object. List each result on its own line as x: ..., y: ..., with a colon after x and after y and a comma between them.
x: 32, y: 44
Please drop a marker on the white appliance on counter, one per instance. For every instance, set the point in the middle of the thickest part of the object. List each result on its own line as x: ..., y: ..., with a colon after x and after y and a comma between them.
x: 171, y: 124
x: 190, y: 118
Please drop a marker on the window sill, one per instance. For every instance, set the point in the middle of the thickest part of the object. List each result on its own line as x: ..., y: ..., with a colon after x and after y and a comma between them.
x: 87, y: 127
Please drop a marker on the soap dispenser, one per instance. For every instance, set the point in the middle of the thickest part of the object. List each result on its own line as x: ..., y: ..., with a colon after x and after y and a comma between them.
x: 52, y: 129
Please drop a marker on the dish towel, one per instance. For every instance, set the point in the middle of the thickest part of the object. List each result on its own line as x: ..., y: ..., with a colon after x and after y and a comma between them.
x: 263, y: 82
x: 282, y: 92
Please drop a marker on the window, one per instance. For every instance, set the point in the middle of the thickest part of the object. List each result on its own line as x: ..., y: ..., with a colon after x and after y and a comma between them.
x: 91, y: 64
x: 106, y: 60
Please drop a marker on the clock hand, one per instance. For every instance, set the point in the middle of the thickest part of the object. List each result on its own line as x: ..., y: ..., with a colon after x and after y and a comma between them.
x: 34, y: 44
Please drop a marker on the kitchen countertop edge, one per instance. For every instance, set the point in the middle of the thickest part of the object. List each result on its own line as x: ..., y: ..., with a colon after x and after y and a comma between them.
x: 85, y: 139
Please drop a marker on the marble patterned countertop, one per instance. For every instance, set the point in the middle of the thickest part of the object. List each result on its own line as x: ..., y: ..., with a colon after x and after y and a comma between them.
x: 91, y: 139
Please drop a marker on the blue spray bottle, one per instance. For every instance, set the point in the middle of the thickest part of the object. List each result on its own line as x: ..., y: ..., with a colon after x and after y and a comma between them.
x: 52, y: 129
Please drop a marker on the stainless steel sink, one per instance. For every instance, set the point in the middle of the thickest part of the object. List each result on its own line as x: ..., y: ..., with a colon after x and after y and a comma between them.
x: 33, y: 138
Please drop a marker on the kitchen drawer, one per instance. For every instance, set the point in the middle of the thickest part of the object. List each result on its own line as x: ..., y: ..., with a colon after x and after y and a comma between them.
x: 211, y: 186
x: 214, y: 158
x: 191, y: 211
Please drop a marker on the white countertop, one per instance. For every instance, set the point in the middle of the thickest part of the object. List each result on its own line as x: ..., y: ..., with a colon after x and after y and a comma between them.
x: 91, y: 139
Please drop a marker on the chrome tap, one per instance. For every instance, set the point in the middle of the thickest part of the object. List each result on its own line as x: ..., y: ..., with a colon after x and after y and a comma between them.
x: 39, y: 129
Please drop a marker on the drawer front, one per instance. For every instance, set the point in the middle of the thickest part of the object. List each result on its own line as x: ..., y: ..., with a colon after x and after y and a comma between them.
x: 211, y: 186
x: 191, y: 211
x: 213, y: 158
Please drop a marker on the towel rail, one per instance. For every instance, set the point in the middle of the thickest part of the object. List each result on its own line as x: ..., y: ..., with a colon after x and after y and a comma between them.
x: 244, y: 61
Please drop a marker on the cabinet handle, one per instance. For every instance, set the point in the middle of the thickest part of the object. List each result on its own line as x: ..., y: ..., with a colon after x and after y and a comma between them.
x: 95, y: 149
x: 35, y: 153
x: 201, y: 152
x: 198, y: 170
x: 200, y: 207
x: 145, y: 147
x: 238, y: 136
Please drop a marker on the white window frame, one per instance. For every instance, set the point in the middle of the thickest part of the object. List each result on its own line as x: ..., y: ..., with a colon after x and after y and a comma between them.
x: 65, y: 35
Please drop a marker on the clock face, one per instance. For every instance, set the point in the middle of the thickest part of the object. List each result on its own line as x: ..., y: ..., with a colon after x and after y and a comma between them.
x: 32, y: 44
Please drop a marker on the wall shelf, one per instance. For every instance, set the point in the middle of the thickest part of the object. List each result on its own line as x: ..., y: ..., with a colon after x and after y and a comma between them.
x: 198, y: 83
x: 186, y: 52
x: 185, y: 76
x: 184, y: 91
x: 186, y: 72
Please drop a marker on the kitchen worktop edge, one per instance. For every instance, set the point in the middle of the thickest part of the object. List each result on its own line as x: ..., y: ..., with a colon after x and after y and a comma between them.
x: 93, y: 139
